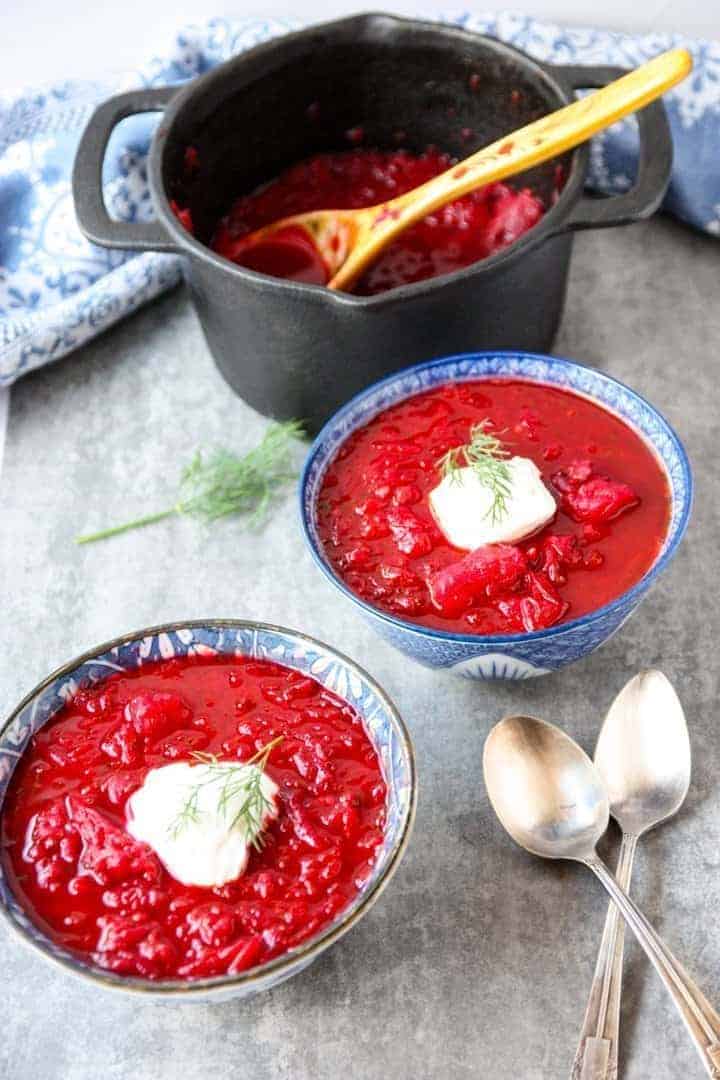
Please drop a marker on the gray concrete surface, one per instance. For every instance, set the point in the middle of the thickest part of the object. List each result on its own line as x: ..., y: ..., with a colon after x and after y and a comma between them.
x: 477, y: 960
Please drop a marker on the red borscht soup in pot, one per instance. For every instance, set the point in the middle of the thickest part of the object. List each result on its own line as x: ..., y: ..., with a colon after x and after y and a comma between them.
x: 462, y: 233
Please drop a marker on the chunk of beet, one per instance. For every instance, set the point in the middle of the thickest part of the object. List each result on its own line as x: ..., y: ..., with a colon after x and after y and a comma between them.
x: 134, y: 945
x: 484, y: 572
x: 123, y: 744
x: 47, y: 827
x: 109, y: 854
x: 576, y: 473
x: 212, y: 923
x: 543, y: 607
x: 123, y: 932
x: 586, y: 496
x: 156, y: 712
x: 411, y: 535
x: 579, y: 471
x: 599, y: 499
x: 557, y: 552
x: 513, y: 213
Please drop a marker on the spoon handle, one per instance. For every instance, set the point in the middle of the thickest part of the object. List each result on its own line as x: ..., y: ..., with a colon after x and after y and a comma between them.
x: 597, y: 1052
x: 701, y: 1020
x: 531, y: 145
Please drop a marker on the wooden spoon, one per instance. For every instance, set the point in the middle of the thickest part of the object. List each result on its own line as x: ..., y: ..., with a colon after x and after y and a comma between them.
x: 348, y: 240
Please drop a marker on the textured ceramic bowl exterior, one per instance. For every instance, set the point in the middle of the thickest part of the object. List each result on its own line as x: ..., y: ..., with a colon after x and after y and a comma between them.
x: 382, y: 723
x: 516, y: 656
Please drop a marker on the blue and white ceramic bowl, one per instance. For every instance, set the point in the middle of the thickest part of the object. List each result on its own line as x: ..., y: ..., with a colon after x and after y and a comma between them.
x: 384, y: 727
x: 516, y: 656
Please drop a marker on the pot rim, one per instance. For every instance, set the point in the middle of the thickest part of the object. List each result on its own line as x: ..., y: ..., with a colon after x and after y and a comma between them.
x: 305, y: 952
x: 549, y: 225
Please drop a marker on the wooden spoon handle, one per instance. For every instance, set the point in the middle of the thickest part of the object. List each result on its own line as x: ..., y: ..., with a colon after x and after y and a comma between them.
x: 536, y: 142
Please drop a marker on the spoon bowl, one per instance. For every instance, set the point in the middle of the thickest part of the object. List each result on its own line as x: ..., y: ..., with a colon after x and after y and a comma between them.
x: 643, y: 753
x: 545, y: 789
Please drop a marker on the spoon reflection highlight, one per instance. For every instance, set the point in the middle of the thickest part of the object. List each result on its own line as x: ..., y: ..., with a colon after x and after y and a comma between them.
x: 551, y: 799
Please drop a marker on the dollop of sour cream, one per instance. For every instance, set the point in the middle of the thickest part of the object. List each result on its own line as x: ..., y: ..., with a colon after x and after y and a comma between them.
x: 206, y: 846
x: 461, y: 505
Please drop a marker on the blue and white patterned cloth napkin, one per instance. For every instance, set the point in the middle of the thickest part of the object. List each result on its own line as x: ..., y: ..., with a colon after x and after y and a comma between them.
x: 57, y: 290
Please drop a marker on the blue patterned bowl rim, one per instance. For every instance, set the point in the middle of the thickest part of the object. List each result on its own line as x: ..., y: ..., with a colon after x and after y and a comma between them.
x: 558, y: 371
x: 295, y: 959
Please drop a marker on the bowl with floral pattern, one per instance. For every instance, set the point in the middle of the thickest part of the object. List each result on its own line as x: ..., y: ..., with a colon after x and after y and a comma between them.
x: 314, y: 690
x: 344, y: 476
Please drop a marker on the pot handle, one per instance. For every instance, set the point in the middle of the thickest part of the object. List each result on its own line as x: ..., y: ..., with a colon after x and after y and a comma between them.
x: 90, y: 209
x: 654, y: 164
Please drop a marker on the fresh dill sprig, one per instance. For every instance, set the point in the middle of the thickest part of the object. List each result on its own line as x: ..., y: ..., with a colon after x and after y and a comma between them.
x: 189, y: 813
x: 485, y: 454
x: 224, y: 483
x: 241, y: 781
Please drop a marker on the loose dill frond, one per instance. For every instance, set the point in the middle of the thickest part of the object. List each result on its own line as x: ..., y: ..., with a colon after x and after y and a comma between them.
x: 241, y: 781
x: 226, y: 484
x: 223, y: 483
x: 485, y: 453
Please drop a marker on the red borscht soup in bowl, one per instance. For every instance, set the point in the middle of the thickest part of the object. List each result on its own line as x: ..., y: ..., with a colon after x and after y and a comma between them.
x: 498, y: 514
x: 198, y: 810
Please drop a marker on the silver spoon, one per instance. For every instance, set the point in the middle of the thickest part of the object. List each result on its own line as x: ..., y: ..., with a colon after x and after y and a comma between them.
x: 552, y: 801
x: 643, y: 755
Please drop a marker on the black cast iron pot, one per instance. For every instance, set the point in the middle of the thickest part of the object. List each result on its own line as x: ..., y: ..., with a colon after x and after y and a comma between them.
x: 294, y: 350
